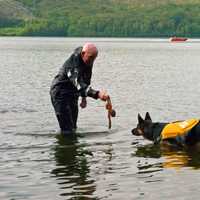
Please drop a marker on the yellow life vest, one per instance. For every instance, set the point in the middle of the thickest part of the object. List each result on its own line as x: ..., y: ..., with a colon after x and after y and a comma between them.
x: 180, y: 128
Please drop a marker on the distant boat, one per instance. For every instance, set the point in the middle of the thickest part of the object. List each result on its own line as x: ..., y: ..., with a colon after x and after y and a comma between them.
x: 178, y: 39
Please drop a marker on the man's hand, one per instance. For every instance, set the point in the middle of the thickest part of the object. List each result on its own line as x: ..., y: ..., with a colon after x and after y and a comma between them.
x: 83, y: 103
x: 103, y: 95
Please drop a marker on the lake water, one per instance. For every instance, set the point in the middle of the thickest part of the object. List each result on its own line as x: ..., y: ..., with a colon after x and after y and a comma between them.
x: 140, y: 75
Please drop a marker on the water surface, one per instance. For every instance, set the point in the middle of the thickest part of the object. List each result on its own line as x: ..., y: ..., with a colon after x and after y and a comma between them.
x: 141, y: 75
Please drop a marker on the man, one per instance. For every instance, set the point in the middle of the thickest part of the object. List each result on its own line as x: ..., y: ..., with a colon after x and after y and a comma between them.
x: 72, y: 81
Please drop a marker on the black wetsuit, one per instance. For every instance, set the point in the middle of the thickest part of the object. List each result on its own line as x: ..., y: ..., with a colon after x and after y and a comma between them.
x: 72, y: 81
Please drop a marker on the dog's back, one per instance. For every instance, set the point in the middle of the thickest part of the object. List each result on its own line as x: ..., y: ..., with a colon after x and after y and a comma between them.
x: 193, y: 136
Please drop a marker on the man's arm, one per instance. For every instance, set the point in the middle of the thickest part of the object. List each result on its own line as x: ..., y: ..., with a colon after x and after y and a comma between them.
x: 88, y: 91
x: 97, y: 94
x: 92, y: 93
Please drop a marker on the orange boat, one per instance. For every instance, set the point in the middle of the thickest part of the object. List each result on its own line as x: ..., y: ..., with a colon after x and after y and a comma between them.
x: 178, y: 39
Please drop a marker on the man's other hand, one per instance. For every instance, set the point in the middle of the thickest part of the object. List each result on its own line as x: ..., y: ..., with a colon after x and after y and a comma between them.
x: 83, y: 103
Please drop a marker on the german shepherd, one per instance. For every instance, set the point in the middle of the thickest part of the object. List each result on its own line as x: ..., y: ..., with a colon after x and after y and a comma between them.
x: 154, y: 131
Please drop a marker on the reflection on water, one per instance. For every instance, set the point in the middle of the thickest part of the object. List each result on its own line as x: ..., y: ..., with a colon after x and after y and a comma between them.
x: 72, y: 169
x: 172, y: 157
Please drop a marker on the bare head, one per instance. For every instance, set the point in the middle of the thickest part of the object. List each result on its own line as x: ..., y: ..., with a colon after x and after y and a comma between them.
x: 89, y: 53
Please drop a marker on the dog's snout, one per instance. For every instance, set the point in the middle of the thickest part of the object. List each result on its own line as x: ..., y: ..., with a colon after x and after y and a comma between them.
x: 136, y: 132
x: 133, y: 131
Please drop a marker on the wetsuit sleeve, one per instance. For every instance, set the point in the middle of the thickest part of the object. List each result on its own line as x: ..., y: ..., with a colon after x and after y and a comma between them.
x: 85, y: 81
x: 92, y: 93
x: 86, y: 91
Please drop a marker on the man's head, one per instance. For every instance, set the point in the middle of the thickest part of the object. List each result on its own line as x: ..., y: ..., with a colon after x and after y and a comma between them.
x: 89, y: 53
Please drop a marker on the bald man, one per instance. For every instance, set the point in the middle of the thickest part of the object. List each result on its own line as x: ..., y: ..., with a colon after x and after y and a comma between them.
x: 73, y: 80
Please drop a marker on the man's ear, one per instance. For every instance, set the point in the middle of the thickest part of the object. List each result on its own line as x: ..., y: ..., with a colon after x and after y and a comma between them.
x: 147, y: 117
x: 140, y: 120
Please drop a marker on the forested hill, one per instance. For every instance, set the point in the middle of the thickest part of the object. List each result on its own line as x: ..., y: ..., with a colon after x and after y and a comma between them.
x: 100, y: 18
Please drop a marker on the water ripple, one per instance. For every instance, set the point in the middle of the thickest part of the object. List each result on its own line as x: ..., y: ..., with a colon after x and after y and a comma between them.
x: 149, y: 75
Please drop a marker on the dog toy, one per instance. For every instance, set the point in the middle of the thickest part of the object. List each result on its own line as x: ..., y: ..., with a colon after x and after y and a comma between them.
x: 111, y: 111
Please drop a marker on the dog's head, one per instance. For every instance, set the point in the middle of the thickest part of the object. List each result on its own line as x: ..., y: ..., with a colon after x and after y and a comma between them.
x: 144, y: 127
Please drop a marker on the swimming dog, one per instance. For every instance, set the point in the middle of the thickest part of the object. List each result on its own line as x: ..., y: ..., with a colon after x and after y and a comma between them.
x: 178, y: 133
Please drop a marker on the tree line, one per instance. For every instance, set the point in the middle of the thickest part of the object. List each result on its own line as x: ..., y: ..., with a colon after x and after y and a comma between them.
x: 163, y: 21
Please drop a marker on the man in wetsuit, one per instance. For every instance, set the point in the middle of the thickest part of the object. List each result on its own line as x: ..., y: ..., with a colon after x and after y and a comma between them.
x: 72, y: 81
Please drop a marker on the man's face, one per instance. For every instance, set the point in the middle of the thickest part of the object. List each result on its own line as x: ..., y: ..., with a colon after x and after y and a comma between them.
x: 89, y: 57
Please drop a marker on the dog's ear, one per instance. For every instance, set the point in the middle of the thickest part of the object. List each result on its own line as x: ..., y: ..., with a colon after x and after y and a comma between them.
x: 140, y: 120
x: 147, y: 117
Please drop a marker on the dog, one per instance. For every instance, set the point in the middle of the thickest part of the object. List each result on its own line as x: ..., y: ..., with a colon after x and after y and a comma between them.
x: 181, y: 133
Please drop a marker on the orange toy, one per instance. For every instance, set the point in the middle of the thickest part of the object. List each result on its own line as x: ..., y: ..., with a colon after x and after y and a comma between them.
x: 111, y: 112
